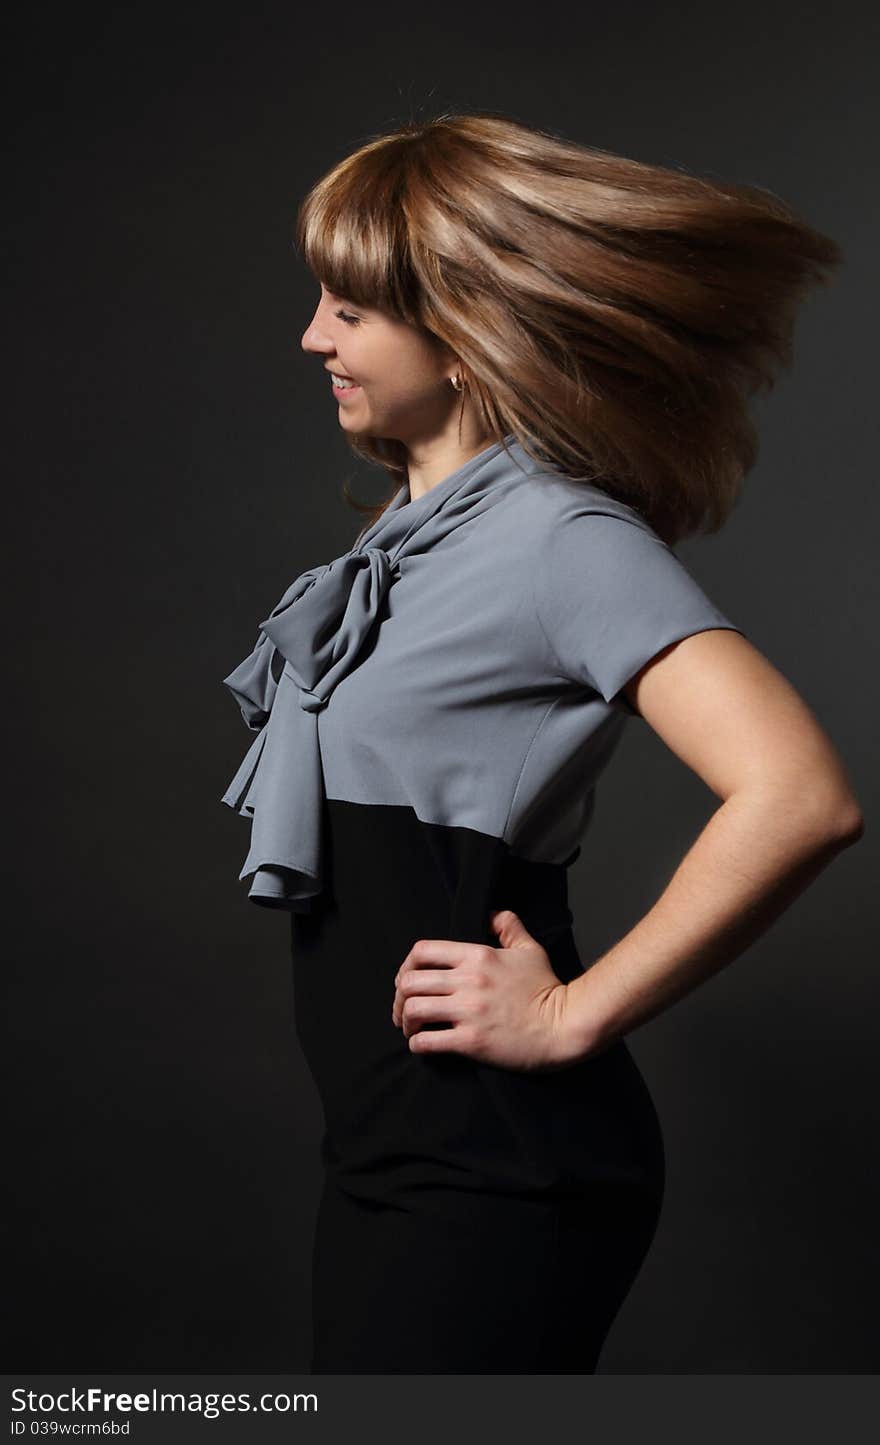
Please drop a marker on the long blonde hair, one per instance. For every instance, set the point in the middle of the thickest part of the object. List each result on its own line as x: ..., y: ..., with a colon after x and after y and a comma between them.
x: 615, y: 316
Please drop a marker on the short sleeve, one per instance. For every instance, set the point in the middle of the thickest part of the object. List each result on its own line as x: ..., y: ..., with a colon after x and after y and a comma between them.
x: 610, y: 595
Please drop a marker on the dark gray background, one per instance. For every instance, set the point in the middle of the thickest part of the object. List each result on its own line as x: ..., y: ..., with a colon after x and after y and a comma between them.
x: 176, y: 461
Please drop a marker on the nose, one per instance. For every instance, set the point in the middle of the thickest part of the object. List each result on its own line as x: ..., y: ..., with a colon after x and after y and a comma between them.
x: 314, y: 338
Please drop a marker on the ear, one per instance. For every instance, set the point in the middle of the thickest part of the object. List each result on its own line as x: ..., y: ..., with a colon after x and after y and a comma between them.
x: 445, y: 354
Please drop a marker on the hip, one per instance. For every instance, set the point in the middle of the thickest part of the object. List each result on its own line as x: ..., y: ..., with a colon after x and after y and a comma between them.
x: 398, y: 1122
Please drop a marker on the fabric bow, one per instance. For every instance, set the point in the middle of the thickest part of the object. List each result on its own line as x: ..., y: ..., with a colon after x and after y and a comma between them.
x: 308, y: 643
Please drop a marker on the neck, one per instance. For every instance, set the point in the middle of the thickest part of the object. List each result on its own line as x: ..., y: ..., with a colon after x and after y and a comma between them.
x: 432, y: 461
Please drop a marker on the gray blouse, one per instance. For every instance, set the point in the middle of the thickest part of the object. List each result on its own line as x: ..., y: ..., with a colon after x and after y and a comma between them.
x: 464, y: 658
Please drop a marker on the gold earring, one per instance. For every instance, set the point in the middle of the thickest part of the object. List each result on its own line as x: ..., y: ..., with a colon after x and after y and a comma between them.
x: 457, y: 382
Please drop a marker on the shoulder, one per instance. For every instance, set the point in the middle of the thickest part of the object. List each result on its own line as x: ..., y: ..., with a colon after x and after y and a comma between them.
x: 555, y: 516
x: 552, y: 498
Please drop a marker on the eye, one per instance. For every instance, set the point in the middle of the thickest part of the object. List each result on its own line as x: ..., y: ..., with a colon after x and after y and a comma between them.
x: 349, y: 320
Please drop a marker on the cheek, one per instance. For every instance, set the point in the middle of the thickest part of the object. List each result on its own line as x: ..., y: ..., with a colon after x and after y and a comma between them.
x: 406, y: 384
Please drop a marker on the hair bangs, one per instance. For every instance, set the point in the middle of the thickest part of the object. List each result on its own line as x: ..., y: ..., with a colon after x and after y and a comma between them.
x: 352, y: 235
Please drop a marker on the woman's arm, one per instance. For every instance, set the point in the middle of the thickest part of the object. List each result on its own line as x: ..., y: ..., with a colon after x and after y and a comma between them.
x: 787, y: 810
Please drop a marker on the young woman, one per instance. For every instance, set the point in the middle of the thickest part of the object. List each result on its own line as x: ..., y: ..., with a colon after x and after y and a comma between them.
x: 550, y: 349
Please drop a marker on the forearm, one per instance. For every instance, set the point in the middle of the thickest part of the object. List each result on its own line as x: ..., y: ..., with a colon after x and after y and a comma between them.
x: 757, y: 853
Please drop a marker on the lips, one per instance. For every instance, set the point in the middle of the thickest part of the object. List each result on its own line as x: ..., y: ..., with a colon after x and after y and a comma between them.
x: 341, y: 392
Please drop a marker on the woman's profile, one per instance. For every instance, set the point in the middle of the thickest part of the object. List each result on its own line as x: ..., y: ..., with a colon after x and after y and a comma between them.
x: 550, y: 349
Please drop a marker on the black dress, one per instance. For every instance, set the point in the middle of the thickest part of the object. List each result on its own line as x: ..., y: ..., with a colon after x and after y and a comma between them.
x: 432, y: 713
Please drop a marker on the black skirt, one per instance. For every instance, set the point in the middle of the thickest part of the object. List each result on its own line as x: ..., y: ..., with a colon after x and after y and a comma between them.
x: 473, y: 1219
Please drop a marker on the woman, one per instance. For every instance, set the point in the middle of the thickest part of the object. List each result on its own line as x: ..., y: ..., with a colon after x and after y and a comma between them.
x: 550, y: 350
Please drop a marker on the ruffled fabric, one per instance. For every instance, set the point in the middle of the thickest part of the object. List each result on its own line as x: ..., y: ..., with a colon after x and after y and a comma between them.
x: 309, y: 642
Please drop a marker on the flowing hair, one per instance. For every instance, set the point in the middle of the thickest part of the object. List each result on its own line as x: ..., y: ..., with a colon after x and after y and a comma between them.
x: 615, y: 316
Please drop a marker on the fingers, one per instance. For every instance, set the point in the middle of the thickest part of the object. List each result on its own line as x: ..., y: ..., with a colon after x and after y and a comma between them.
x: 443, y: 951
x: 427, y: 977
x: 419, y: 983
x: 420, y: 1011
x: 457, y: 1040
x: 424, y: 980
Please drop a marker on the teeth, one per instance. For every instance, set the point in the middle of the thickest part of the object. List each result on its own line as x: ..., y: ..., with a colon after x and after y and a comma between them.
x: 339, y: 381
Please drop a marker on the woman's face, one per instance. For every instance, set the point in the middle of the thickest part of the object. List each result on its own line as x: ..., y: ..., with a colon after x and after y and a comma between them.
x: 402, y: 377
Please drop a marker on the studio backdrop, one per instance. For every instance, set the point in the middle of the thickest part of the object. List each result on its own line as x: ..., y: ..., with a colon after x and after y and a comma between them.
x: 175, y: 462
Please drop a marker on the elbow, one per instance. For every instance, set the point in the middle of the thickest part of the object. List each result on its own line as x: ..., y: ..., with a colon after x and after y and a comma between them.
x: 822, y: 818
x: 837, y: 820
x: 849, y: 823
x: 814, y: 803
